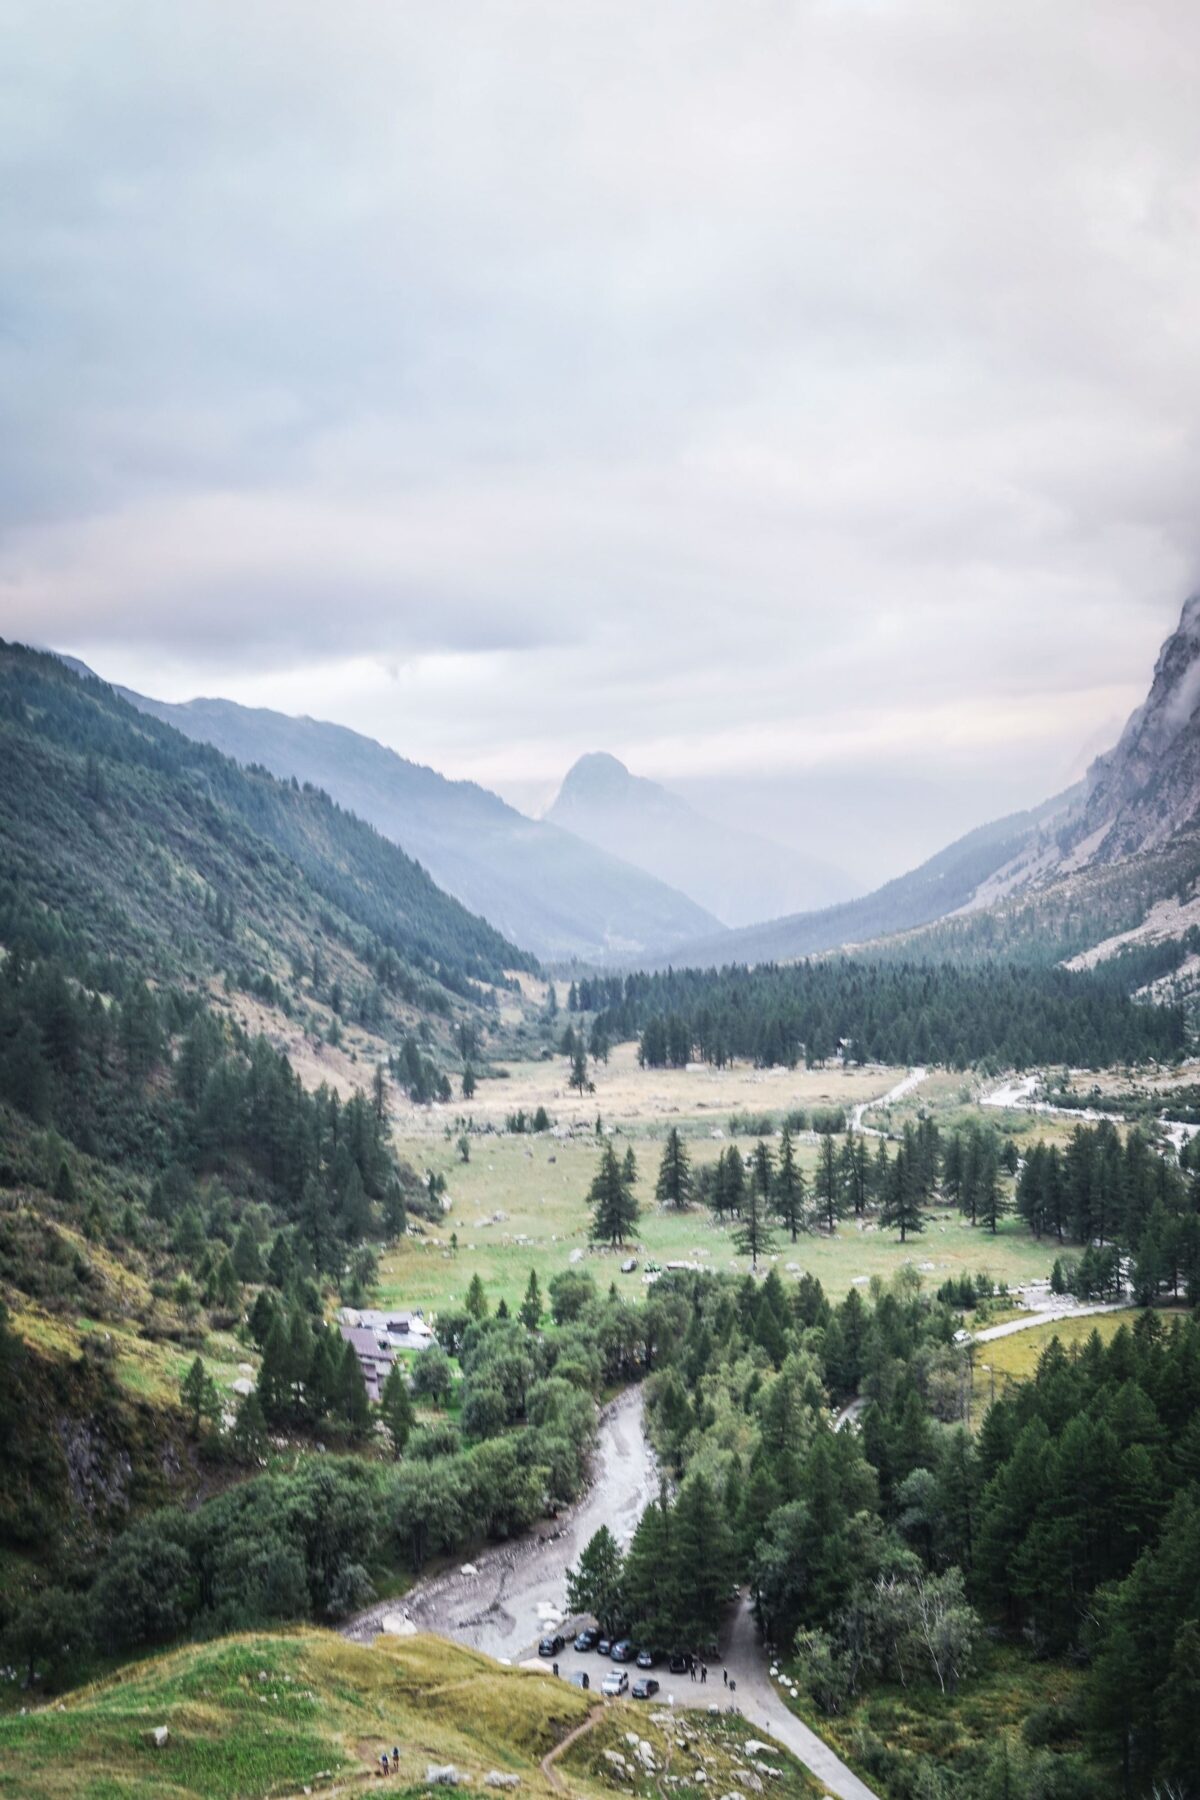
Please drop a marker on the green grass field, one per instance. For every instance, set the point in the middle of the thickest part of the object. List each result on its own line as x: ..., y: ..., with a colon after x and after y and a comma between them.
x: 275, y: 1714
x: 538, y: 1186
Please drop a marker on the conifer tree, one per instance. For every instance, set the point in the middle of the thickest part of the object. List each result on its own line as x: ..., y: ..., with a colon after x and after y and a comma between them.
x: 753, y: 1237
x: 396, y: 1408
x: 530, y: 1314
x: 828, y: 1185
x: 674, y: 1184
x: 476, y: 1300
x: 611, y: 1198
x: 790, y: 1189
x: 198, y: 1392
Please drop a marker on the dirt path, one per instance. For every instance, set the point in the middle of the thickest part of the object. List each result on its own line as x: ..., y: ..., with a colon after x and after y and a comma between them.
x: 502, y: 1602
x: 548, y: 1761
x: 1050, y: 1316
x: 911, y: 1081
x: 760, y: 1703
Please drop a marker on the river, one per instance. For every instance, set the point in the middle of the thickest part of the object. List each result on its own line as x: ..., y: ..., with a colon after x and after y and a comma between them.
x: 500, y: 1601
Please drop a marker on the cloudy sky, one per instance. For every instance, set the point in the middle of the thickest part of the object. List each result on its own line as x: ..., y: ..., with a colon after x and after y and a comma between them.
x: 801, y: 400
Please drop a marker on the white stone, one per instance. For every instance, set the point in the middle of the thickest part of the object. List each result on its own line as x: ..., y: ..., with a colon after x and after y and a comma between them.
x: 160, y: 1734
x: 495, y: 1778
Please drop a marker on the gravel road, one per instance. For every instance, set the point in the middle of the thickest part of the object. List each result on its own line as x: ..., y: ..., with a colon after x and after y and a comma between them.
x: 496, y: 1607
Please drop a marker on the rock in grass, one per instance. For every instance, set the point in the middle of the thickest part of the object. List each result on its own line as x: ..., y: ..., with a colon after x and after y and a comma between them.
x: 158, y: 1737
x: 496, y: 1779
x: 445, y: 1775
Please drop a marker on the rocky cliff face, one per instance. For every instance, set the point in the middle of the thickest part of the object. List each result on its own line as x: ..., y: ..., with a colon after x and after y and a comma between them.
x: 1147, y: 787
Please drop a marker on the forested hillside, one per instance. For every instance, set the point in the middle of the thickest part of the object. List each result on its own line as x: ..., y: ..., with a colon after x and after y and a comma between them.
x: 162, y: 1164
x: 123, y: 839
x: 996, y: 1015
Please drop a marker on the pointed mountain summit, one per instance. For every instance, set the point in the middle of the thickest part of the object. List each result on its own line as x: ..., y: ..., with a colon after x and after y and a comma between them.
x: 739, y: 876
x: 557, y: 895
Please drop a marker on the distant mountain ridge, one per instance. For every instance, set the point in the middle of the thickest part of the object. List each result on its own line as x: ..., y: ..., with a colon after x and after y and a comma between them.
x: 544, y: 889
x: 740, y: 876
x: 1092, y: 862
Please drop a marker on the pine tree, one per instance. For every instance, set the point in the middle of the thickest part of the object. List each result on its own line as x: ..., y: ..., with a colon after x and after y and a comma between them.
x: 611, y: 1197
x: 902, y: 1205
x: 674, y: 1184
x: 198, y: 1392
x: 476, y: 1300
x: 468, y: 1083
x: 790, y: 1189
x: 753, y: 1237
x: 597, y: 1586
x: 247, y: 1260
x: 828, y: 1186
x: 992, y: 1202
x: 396, y: 1408
x: 248, y: 1439
x: 530, y: 1313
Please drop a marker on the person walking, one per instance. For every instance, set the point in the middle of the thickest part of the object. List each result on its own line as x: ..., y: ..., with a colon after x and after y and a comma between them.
x: 725, y: 1676
x: 703, y: 1673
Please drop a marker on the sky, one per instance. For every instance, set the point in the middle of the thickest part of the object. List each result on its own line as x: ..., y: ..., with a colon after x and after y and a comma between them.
x: 801, y: 401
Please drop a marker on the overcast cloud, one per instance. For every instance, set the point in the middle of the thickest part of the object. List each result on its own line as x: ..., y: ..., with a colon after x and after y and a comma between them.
x: 771, y: 393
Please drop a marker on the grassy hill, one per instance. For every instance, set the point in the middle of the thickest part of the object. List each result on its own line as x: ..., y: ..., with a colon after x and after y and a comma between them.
x: 280, y: 1714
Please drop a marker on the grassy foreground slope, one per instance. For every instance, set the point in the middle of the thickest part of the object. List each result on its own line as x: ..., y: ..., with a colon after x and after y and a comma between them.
x: 278, y: 1714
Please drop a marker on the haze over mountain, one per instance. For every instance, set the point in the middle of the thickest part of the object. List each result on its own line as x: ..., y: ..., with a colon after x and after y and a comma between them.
x: 545, y: 889
x: 738, y: 875
x: 1135, y: 814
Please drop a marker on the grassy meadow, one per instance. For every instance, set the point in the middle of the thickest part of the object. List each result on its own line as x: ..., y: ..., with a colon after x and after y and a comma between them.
x: 520, y: 1201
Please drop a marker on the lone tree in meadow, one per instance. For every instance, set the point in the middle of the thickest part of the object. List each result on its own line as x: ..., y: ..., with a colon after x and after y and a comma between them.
x: 753, y: 1237
x: 579, y: 1072
x: 611, y: 1198
x: 790, y: 1189
x: 199, y: 1394
x: 674, y: 1184
x: 901, y: 1208
x: 828, y: 1183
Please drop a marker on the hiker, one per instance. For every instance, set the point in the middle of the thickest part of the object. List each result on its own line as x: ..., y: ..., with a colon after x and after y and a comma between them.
x: 703, y: 1673
x: 383, y: 1763
x: 395, y: 1759
x: 692, y: 1667
x: 725, y: 1676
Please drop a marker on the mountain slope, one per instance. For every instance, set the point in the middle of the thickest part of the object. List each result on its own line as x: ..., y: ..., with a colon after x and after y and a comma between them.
x: 946, y: 883
x: 737, y: 875
x: 117, y: 827
x: 539, y: 885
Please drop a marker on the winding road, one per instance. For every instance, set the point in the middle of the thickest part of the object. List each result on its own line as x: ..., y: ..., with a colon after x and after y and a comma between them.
x: 505, y: 1600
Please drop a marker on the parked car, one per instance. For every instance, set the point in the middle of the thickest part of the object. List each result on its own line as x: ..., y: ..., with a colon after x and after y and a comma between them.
x: 604, y: 1646
x: 646, y: 1659
x: 552, y: 1646
x: 624, y: 1650
x: 644, y: 1688
x: 588, y: 1638
x: 581, y: 1679
x: 678, y: 1663
x: 615, y: 1682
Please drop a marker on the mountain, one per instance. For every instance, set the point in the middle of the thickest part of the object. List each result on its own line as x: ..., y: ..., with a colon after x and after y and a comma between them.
x: 116, y: 827
x: 1112, y: 863
x: 945, y: 883
x: 544, y: 888
x: 737, y: 875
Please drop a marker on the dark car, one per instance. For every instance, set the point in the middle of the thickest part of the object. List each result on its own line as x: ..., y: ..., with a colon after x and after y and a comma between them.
x: 678, y: 1663
x: 646, y: 1659
x: 604, y: 1646
x: 644, y: 1688
x: 624, y: 1651
x: 552, y: 1646
x: 580, y: 1679
x: 588, y: 1638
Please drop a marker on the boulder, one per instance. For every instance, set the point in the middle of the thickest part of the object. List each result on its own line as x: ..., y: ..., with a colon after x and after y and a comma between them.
x: 495, y: 1778
x: 445, y: 1775
x: 158, y: 1737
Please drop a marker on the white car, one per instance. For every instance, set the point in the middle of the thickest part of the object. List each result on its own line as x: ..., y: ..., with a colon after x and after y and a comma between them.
x: 615, y: 1682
